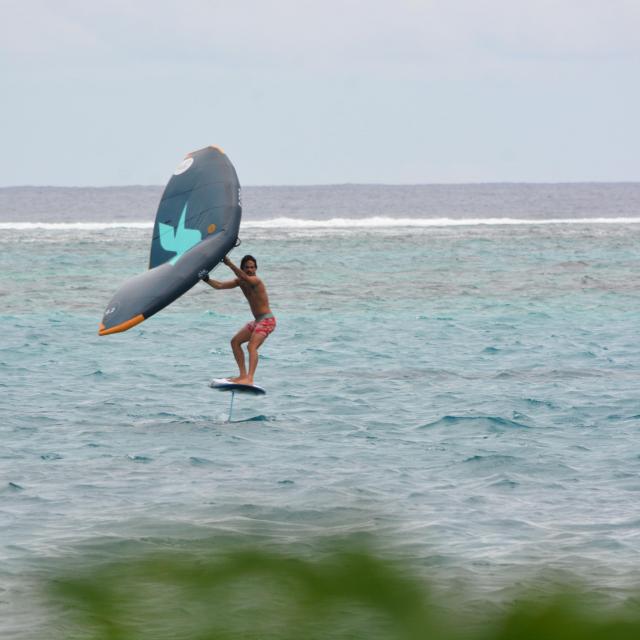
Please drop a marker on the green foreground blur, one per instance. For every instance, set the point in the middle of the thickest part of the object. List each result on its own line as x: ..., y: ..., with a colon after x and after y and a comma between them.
x: 334, y: 593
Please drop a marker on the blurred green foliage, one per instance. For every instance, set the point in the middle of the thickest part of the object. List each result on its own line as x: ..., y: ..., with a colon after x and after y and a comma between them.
x: 341, y: 593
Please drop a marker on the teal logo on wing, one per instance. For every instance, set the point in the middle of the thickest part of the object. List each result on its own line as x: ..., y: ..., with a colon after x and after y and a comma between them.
x: 179, y: 240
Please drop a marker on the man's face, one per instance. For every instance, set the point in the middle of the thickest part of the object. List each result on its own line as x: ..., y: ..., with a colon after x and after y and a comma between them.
x: 249, y: 268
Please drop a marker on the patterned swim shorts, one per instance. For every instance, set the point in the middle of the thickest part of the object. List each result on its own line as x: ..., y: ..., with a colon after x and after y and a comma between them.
x: 262, y: 325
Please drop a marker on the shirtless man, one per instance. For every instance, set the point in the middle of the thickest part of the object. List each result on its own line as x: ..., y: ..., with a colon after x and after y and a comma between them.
x: 256, y: 332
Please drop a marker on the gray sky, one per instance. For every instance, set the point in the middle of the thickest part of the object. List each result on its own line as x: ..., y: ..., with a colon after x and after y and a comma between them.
x: 301, y: 92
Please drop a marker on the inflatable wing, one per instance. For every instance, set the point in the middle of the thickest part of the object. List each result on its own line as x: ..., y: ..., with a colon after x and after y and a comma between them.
x: 196, y: 225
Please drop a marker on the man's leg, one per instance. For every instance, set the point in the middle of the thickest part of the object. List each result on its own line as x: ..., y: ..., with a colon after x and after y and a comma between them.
x: 254, y: 344
x: 244, y: 335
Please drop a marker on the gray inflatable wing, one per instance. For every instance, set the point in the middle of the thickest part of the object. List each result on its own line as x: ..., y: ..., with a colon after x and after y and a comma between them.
x: 196, y: 225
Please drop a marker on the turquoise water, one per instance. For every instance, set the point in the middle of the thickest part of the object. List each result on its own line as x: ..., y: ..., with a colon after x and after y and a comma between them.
x: 468, y: 394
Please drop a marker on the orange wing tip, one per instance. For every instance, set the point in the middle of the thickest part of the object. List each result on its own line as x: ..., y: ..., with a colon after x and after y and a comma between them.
x: 121, y: 327
x: 211, y: 146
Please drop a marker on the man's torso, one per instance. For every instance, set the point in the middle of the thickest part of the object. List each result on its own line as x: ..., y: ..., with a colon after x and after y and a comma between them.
x: 257, y: 297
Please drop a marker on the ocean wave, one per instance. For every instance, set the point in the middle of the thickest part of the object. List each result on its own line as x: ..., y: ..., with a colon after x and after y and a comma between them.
x: 375, y: 222
x: 71, y: 226
x: 385, y: 222
x: 492, y: 422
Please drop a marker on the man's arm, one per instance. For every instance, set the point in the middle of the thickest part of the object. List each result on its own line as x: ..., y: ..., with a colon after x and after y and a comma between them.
x: 240, y: 273
x: 216, y: 284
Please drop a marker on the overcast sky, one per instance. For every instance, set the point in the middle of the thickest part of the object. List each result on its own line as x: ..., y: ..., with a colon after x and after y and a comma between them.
x: 299, y: 92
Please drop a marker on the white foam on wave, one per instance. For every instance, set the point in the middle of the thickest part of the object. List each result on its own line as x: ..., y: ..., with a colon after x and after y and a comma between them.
x: 71, y: 226
x: 377, y: 222
x: 380, y: 222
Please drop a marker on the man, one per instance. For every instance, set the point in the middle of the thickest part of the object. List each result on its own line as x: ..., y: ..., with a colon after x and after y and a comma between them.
x: 256, y: 332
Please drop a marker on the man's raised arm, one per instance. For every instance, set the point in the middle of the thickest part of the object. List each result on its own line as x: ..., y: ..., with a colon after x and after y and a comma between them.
x: 240, y: 273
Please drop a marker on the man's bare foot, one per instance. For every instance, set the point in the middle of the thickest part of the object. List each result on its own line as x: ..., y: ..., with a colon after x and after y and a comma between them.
x: 243, y: 380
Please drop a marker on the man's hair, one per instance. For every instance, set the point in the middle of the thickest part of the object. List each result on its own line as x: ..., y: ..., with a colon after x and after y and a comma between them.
x: 246, y: 259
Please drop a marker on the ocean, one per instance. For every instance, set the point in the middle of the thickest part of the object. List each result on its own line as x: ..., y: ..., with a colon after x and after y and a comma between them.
x: 455, y: 373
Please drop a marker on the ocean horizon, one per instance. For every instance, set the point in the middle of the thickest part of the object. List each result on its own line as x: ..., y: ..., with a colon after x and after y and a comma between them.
x: 349, y: 201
